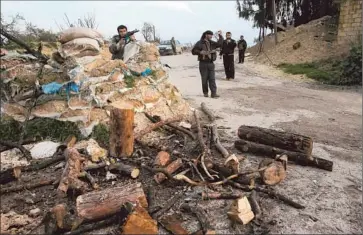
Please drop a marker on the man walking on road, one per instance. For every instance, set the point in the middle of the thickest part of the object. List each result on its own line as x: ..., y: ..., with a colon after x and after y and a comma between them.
x: 227, y: 52
x: 242, y: 46
x: 205, y: 49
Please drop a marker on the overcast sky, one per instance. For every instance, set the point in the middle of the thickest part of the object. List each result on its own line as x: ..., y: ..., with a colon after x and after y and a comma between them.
x: 185, y: 20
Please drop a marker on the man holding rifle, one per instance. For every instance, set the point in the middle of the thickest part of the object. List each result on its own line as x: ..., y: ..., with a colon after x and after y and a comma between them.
x: 118, y: 42
x: 205, y: 49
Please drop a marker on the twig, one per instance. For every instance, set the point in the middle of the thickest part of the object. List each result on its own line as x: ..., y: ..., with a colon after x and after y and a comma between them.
x: 202, y: 144
x: 196, y: 170
x: 254, y: 204
x: 214, y: 128
x: 24, y: 151
x: 238, y: 175
x: 157, y: 125
x: 38, y: 165
x: 168, y: 205
x: 4, y: 148
x: 178, y: 128
x: 158, y: 170
x: 18, y: 188
x: 90, y: 178
x: 269, y: 192
x: 89, y: 227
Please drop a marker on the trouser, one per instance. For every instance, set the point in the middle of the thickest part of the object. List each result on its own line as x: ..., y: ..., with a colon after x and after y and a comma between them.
x: 228, y: 61
x: 174, y: 49
x: 241, y: 56
x: 207, y: 73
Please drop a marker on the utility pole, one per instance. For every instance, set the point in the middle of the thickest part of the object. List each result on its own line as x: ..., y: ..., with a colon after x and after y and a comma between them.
x: 274, y: 19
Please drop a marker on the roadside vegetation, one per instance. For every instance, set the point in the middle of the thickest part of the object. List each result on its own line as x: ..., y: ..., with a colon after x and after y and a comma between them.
x: 346, y: 72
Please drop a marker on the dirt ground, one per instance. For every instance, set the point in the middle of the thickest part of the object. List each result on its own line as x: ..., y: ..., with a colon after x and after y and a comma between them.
x: 265, y: 97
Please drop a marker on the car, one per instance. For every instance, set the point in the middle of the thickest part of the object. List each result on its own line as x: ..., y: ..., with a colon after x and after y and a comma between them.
x: 166, y: 49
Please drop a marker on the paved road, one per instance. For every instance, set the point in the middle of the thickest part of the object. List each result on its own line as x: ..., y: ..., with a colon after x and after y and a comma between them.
x: 265, y: 97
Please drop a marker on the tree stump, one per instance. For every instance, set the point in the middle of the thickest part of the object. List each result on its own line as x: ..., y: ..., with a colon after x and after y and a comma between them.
x: 121, y: 131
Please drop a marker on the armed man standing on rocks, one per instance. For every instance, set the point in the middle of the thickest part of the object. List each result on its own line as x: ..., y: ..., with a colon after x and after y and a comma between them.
x: 205, y: 49
x: 228, y: 55
x: 242, y: 46
x: 118, y: 42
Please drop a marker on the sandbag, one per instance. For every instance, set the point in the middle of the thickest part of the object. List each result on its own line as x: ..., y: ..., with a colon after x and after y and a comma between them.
x: 79, y: 32
x: 131, y: 49
x: 80, y: 47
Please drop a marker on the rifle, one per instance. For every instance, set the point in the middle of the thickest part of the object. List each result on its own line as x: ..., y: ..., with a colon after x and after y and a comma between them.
x: 130, y: 33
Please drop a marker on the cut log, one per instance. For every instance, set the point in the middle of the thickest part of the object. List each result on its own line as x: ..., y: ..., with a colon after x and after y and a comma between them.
x: 299, y: 158
x: 59, y: 212
x: 100, y: 204
x: 241, y: 211
x: 124, y: 169
x: 172, y: 224
x: 283, y: 140
x: 232, y: 163
x: 162, y: 159
x: 122, y: 131
x: 274, y: 173
x: 140, y: 222
x: 171, y: 168
x: 72, y: 170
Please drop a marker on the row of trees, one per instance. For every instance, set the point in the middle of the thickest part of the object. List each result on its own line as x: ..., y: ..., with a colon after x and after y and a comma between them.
x: 294, y: 12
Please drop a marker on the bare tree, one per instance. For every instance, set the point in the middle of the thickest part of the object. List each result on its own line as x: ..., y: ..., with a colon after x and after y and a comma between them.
x: 149, y: 32
x: 88, y: 21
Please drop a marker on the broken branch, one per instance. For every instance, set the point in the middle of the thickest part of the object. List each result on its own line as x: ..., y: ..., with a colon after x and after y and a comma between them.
x: 157, y: 125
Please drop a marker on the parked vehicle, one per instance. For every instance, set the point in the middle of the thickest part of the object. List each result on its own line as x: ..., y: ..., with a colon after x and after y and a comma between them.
x: 166, y: 49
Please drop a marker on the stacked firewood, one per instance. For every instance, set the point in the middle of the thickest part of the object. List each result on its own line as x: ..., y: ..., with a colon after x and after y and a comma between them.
x: 130, y: 209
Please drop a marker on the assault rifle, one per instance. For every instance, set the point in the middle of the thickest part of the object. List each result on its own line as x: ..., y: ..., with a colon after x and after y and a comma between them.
x: 130, y: 33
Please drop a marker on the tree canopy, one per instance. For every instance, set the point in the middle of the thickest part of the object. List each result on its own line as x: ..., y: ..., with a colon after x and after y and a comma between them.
x: 295, y: 12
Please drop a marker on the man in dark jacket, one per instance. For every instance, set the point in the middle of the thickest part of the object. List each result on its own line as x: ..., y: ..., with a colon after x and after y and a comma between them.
x: 205, y: 49
x: 242, y: 46
x: 227, y: 52
x: 118, y: 43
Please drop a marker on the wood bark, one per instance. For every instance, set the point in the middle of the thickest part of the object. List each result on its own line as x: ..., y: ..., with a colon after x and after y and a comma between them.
x: 254, y: 204
x: 121, y: 132
x: 274, y: 173
x: 72, y: 170
x: 298, y: 158
x: 241, y: 211
x: 100, y: 204
x: 140, y: 222
x: 278, y: 139
x: 125, y: 169
x: 171, y: 168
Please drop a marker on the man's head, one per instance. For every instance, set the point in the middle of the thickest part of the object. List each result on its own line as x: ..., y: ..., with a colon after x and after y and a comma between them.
x: 122, y: 30
x: 208, y: 35
x: 242, y: 37
x: 228, y: 35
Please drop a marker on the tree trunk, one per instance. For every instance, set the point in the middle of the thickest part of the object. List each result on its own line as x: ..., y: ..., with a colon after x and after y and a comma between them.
x: 121, y: 132
x: 278, y: 139
x: 299, y: 158
x: 100, y: 204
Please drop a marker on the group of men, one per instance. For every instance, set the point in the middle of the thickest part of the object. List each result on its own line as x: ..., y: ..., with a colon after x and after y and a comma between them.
x: 205, y: 49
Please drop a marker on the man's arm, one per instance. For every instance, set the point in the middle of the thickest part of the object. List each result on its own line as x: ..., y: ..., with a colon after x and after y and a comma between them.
x: 219, y: 43
x: 115, y: 46
x: 197, y: 49
x: 245, y: 45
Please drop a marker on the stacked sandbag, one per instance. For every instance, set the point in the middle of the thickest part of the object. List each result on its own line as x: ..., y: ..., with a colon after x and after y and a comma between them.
x: 79, y: 42
x: 96, y: 84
